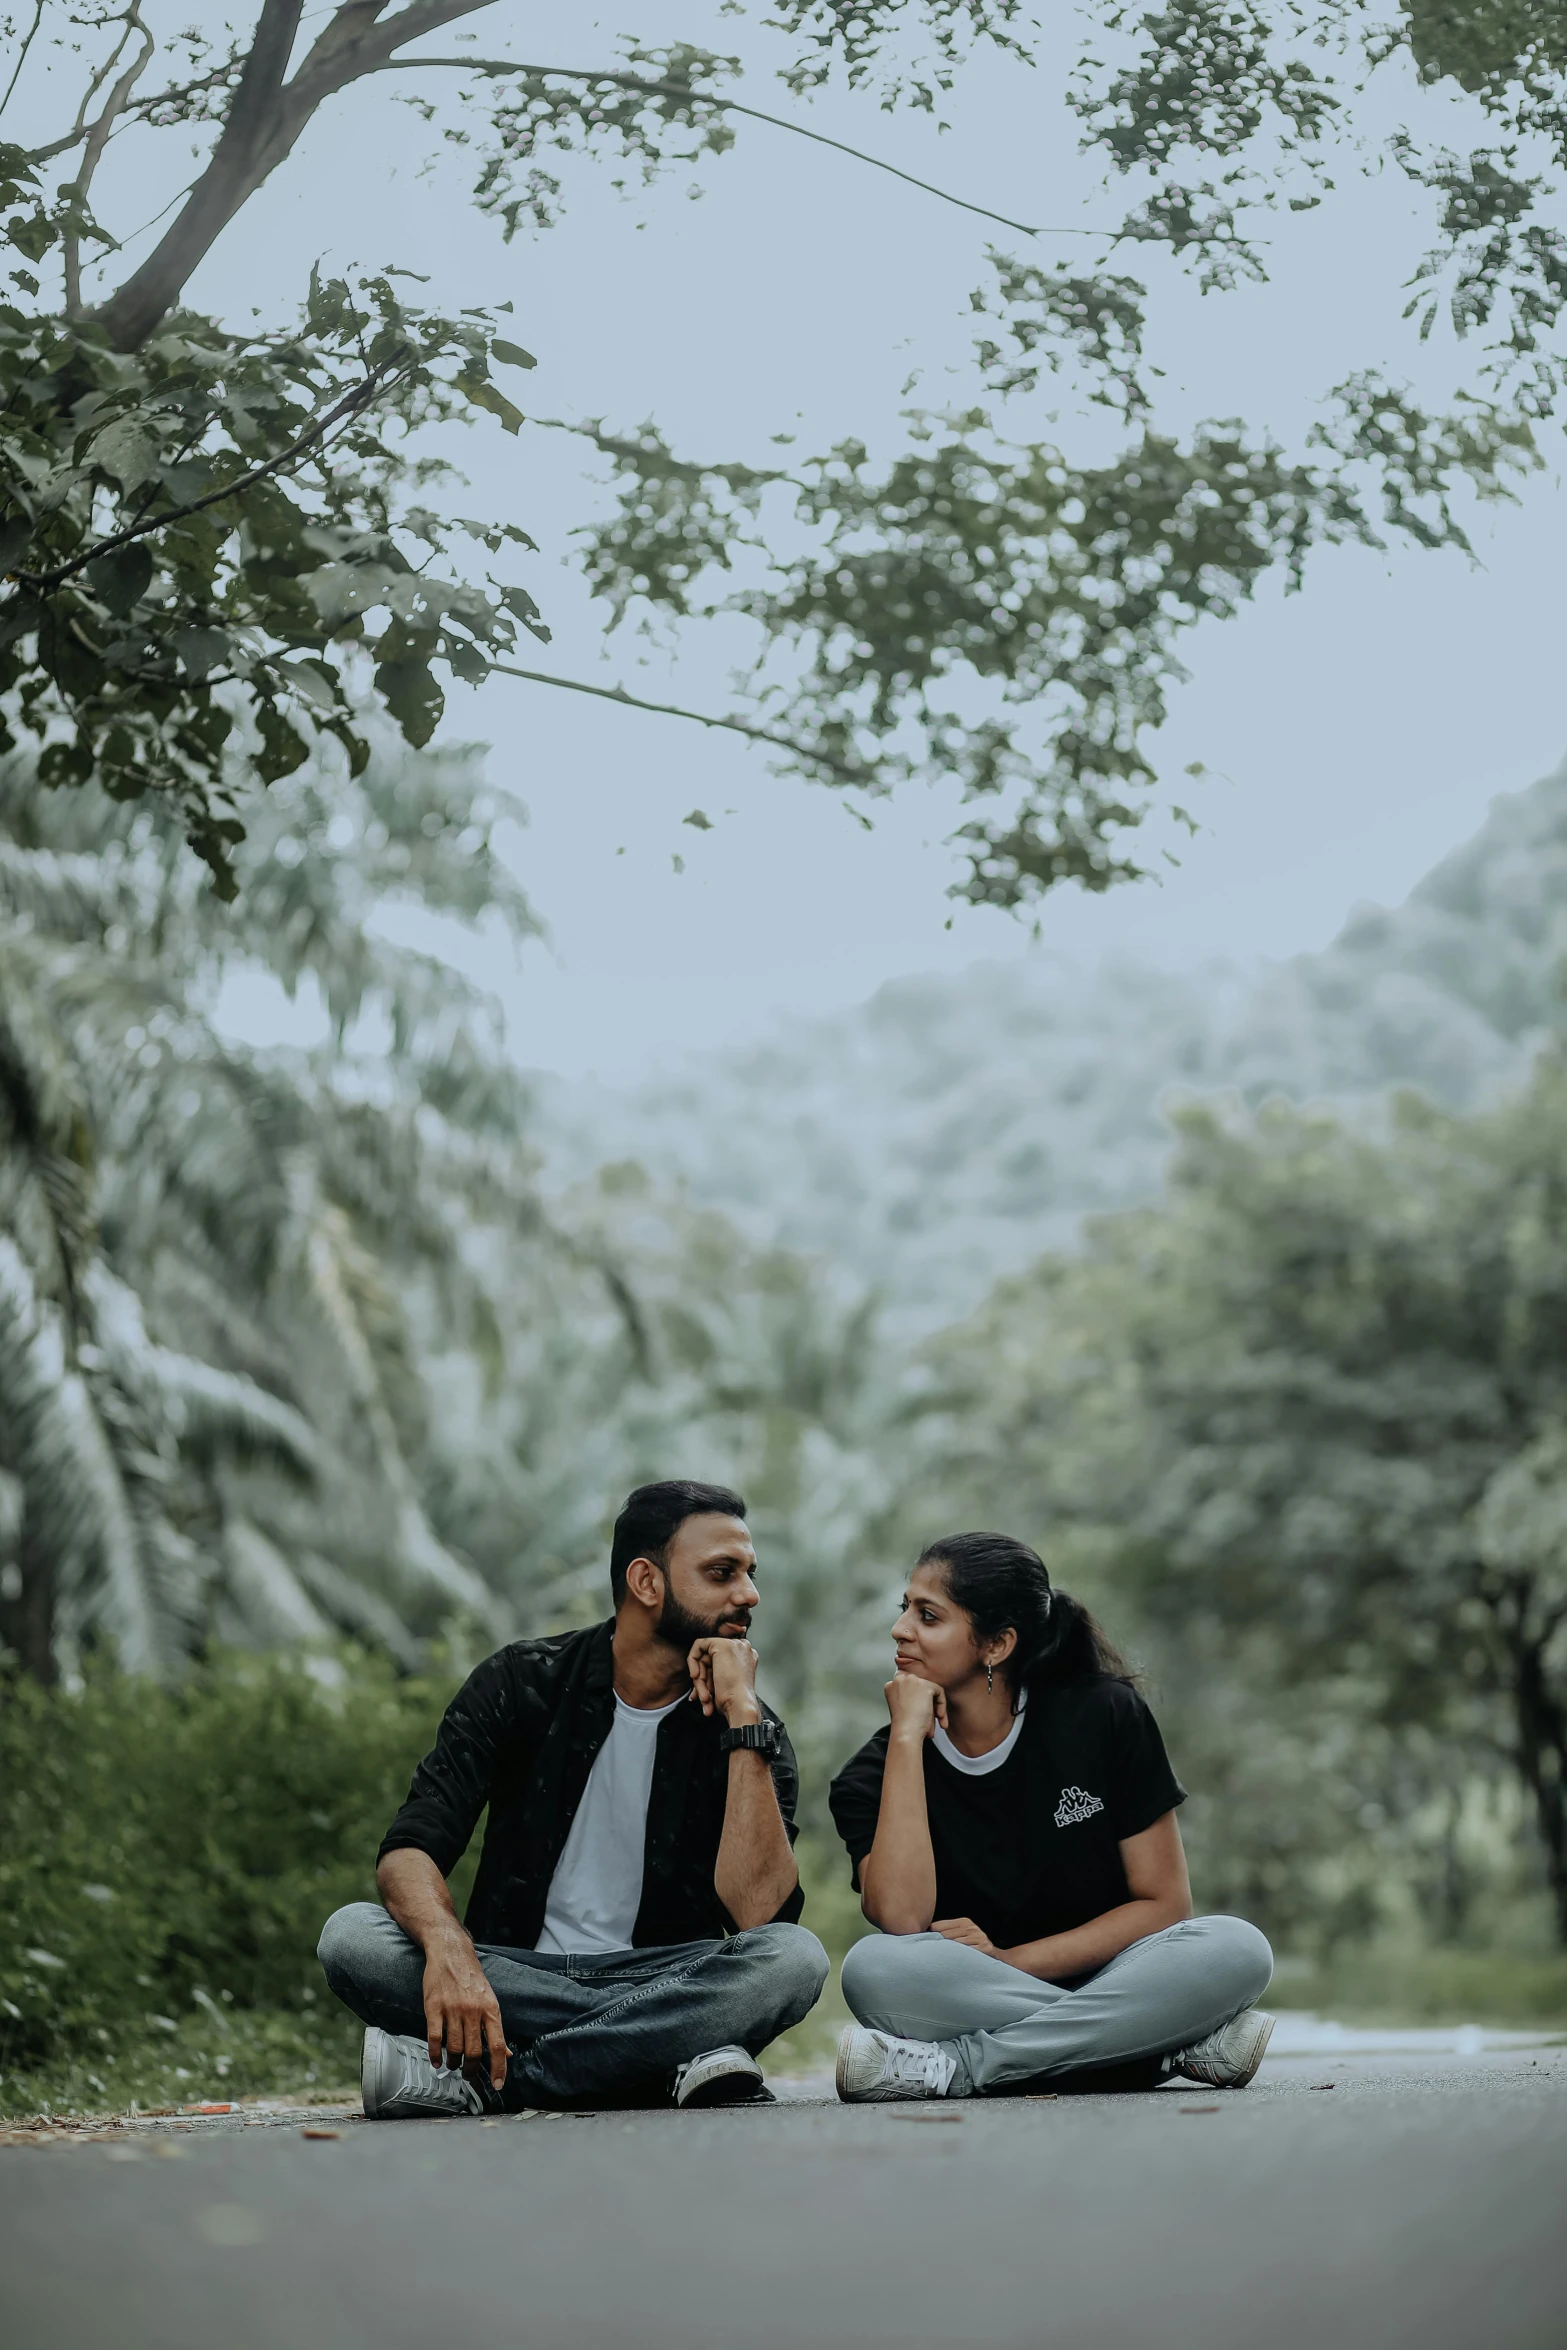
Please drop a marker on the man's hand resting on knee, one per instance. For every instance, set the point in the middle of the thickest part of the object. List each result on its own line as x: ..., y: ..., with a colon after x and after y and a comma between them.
x: 461, y: 2013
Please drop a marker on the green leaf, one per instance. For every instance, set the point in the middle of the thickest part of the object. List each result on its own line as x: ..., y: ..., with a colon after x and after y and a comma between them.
x: 511, y: 354
x: 64, y: 763
x: 484, y: 395
x: 121, y: 578
x: 340, y: 591
x: 698, y: 821
x: 413, y: 698
x: 314, y: 680
x: 32, y: 236
x: 204, y: 731
x: 212, y: 837
x: 282, y: 750
x: 467, y: 662
x: 201, y: 650
x: 15, y: 537
x: 128, y: 451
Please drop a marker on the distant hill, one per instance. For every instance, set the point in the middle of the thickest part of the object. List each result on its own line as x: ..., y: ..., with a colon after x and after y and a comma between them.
x: 951, y: 1129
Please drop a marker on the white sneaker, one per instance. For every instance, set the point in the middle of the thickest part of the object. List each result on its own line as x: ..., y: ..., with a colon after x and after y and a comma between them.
x: 1229, y: 2057
x: 396, y: 2080
x: 724, y: 2076
x: 873, y: 2067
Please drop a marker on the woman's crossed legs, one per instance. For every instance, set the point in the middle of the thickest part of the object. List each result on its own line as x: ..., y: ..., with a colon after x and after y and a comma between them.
x: 999, y: 2025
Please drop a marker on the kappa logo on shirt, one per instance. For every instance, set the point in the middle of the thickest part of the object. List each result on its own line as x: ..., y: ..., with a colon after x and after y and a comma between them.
x: 1076, y: 1804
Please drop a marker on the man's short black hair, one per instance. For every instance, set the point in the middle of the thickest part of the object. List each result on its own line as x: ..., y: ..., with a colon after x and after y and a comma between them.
x: 654, y: 1514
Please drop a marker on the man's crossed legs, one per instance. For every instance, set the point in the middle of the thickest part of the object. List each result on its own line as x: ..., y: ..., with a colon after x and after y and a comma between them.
x: 591, y: 2030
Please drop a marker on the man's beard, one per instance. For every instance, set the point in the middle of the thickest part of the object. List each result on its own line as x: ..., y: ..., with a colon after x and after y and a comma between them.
x: 678, y: 1628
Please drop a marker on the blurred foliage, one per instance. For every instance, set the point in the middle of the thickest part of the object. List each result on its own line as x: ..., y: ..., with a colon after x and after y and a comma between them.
x: 210, y: 1259
x: 1306, y: 1419
x: 201, y: 529
x: 958, y: 1125
x: 167, y: 1860
x: 291, y: 1344
x: 1401, y: 1985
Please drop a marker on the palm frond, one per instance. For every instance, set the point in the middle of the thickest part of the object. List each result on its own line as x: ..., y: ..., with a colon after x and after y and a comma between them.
x: 349, y: 1296
x: 355, y: 1608
x: 107, y: 1576
x: 72, y: 896
x: 271, y: 1605
x: 222, y: 1415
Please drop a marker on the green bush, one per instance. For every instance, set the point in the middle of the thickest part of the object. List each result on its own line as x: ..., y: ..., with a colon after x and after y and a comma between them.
x: 1403, y: 1985
x: 167, y: 1858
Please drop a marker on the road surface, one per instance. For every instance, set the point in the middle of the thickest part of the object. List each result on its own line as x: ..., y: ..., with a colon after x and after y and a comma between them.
x: 1419, y: 2201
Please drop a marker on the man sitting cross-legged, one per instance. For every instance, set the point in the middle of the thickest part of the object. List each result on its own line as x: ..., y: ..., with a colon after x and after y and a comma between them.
x: 630, y: 1933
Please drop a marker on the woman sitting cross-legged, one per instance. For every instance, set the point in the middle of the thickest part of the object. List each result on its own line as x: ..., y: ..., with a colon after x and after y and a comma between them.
x: 1013, y: 1834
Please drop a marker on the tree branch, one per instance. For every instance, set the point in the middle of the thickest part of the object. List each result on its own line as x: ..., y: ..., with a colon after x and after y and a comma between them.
x: 32, y: 34
x: 349, y: 405
x: 130, y: 316
x: 97, y: 140
x: 756, y: 734
x: 260, y: 131
x: 496, y: 66
x: 181, y: 90
x: 80, y: 128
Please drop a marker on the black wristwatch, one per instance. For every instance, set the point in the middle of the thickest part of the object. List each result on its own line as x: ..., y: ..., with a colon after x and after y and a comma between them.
x: 761, y: 1737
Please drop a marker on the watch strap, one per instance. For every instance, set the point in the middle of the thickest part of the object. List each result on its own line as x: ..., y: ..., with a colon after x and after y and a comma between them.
x: 759, y: 1737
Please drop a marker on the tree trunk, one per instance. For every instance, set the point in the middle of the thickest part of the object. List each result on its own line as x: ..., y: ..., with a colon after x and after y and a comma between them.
x: 264, y: 121
x: 29, y: 1618
x: 1542, y: 1759
x: 230, y: 177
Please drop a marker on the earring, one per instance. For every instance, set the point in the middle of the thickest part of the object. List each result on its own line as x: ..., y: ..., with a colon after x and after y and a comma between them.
x: 990, y: 1678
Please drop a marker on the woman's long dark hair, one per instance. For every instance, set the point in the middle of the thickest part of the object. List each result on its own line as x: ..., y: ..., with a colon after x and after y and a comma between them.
x: 1002, y: 1585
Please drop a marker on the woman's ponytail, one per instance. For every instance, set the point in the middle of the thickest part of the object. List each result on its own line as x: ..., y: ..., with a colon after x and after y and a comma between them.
x: 1002, y: 1585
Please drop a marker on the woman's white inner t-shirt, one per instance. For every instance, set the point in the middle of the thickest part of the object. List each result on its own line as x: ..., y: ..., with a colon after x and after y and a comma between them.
x: 596, y: 1890
x: 973, y: 1765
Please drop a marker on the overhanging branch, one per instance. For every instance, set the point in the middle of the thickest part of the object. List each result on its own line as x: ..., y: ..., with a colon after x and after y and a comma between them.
x: 842, y: 768
x: 497, y: 66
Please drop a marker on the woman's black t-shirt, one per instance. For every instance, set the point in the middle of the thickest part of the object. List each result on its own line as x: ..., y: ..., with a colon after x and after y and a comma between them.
x: 1031, y: 1848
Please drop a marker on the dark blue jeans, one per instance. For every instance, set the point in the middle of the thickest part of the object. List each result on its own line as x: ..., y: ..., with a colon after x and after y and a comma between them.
x: 601, y: 2029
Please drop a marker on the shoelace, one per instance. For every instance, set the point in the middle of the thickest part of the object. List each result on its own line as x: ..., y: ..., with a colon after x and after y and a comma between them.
x: 420, y: 2077
x: 914, y: 2061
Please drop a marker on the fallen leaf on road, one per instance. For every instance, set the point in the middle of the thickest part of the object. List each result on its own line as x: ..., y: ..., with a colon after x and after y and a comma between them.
x: 310, y: 2133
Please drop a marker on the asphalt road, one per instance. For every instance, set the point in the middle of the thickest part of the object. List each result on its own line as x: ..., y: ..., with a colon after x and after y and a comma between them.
x: 1420, y: 2201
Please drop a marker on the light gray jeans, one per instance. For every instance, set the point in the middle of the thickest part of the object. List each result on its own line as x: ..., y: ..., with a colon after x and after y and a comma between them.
x: 1001, y: 2025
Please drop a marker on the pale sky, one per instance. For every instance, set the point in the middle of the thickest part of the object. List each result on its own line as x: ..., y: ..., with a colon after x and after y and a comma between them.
x: 1359, y: 728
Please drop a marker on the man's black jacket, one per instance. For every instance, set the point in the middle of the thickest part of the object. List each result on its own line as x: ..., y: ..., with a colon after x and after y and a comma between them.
x: 521, y: 1735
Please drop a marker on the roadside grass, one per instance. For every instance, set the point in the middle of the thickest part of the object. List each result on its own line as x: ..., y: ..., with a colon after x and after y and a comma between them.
x: 255, y: 2052
x: 1393, y: 1985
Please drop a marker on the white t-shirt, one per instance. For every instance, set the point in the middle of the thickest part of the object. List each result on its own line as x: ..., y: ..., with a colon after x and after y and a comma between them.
x: 974, y: 1766
x: 596, y: 1890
